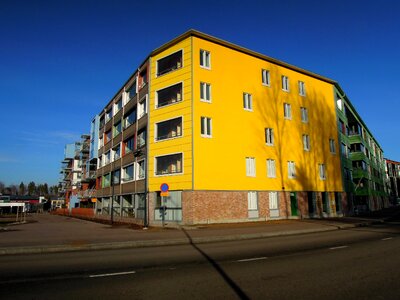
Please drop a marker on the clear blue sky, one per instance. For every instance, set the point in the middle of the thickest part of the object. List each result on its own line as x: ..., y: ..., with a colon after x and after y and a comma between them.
x: 62, y: 61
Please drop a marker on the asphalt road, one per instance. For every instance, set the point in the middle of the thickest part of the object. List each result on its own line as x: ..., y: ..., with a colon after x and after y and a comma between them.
x: 362, y: 263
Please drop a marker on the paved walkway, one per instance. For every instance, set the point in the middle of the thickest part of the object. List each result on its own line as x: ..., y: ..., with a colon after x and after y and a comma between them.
x: 44, y: 233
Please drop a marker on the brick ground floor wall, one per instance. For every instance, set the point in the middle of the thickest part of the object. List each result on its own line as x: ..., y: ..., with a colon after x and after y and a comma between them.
x: 206, y: 207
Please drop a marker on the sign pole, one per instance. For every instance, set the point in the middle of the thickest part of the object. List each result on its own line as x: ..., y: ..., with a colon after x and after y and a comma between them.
x: 162, y: 211
x: 164, y: 188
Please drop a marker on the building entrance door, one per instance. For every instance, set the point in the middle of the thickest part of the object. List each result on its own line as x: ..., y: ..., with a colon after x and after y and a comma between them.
x: 293, y: 204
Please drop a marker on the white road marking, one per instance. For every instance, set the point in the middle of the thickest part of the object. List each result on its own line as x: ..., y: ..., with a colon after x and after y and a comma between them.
x: 112, y: 274
x: 251, y: 259
x: 388, y: 238
x: 339, y: 247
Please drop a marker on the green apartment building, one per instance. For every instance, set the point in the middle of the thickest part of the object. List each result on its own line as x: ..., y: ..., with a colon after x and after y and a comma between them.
x: 363, y: 165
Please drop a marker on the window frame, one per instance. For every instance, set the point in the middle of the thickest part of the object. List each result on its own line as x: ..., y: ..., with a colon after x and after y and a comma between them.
x: 123, y: 173
x: 271, y: 168
x: 171, y: 70
x: 156, y: 102
x: 285, y: 83
x: 306, y: 142
x: 169, y: 174
x: 265, y: 77
x: 205, y: 59
x: 156, y: 139
x: 247, y: 101
x: 332, y: 146
x: 322, y: 171
x: 291, y: 169
x: 269, y: 136
x: 302, y: 88
x: 250, y: 166
x: 252, y: 201
x: 276, y: 200
x: 140, y: 176
x: 204, y: 124
x: 204, y: 88
x: 304, y: 114
x: 287, y: 111
x: 140, y: 105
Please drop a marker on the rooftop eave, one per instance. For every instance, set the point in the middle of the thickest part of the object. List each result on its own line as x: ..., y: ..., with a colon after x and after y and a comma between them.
x: 221, y: 42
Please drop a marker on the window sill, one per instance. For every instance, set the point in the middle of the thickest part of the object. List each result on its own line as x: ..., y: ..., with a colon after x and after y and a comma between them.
x: 205, y: 101
x: 204, y: 67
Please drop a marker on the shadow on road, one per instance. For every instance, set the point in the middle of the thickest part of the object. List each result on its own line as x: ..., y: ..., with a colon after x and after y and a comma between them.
x: 239, y: 292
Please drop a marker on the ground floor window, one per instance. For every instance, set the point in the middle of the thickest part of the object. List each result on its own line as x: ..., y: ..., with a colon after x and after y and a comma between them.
x: 173, y: 205
x: 273, y: 204
x: 252, y: 204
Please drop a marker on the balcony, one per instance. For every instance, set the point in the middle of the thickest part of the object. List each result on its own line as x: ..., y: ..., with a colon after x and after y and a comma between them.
x: 87, y: 193
x: 169, y: 129
x: 170, y: 63
x: 169, y: 95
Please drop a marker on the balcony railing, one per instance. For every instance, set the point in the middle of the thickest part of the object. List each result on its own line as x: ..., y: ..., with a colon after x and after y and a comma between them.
x: 165, y: 172
x: 170, y: 135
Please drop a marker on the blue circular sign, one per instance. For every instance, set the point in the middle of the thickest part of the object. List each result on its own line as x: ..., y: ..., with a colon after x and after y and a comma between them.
x: 164, y: 187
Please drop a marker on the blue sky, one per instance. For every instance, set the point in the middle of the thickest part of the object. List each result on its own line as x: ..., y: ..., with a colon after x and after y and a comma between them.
x: 62, y: 61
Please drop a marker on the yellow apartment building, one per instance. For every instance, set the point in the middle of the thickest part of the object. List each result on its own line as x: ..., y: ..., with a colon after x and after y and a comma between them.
x: 238, y: 136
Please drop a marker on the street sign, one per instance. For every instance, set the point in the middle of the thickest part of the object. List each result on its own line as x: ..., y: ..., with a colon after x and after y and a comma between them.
x: 164, y: 187
x: 164, y: 194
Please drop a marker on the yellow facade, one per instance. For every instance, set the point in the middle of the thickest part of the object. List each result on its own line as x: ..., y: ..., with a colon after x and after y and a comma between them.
x: 218, y: 162
x: 184, y: 109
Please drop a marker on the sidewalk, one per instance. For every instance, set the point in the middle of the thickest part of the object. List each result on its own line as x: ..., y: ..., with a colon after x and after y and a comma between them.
x: 45, y: 233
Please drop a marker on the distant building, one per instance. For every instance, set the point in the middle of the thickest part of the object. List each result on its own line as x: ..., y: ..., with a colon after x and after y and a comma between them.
x: 393, y: 180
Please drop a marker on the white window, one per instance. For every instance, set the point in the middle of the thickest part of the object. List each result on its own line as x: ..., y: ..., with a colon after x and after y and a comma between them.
x: 142, y: 107
x: 247, y: 101
x: 273, y: 200
x: 205, y: 60
x: 306, y: 142
x: 100, y: 161
x: 322, y: 172
x: 101, y: 141
x: 117, y: 106
x: 250, y: 166
x: 269, y: 136
x: 302, y: 88
x: 127, y: 173
x: 205, y: 92
x: 116, y: 177
x: 332, y: 147
x: 304, y: 114
x: 107, y: 157
x: 131, y: 91
x: 285, y: 83
x: 291, y: 169
x: 141, y: 169
x: 271, y: 168
x: 265, y: 77
x: 252, y: 200
x: 141, y: 138
x: 206, y: 127
x: 287, y: 109
x: 117, y: 152
x: 108, y: 114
